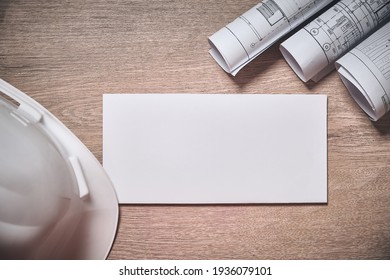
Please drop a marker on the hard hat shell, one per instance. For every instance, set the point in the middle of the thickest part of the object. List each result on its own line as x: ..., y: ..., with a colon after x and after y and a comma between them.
x: 56, y: 201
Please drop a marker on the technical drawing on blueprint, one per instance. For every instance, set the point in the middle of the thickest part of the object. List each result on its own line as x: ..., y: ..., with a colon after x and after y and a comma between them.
x: 377, y: 50
x: 365, y: 71
x: 239, y: 42
x: 332, y: 34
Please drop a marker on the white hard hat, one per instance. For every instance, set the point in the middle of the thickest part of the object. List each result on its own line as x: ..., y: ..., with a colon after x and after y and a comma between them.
x: 56, y: 201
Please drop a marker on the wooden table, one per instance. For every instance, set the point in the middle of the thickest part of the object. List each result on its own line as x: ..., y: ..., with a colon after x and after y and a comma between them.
x: 66, y: 54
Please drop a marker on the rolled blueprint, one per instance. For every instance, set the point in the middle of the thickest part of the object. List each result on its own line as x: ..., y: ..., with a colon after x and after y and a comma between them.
x: 312, y: 51
x: 239, y: 42
x: 365, y: 71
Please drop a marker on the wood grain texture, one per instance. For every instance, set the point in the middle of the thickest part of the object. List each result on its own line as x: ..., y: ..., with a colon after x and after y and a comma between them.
x: 66, y: 54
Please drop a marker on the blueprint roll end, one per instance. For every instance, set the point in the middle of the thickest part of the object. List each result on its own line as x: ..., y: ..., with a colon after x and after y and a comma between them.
x: 224, y: 49
x: 304, y: 55
x: 359, y: 93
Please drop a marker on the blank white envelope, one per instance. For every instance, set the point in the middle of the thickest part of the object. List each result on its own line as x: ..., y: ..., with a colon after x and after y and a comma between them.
x: 216, y: 148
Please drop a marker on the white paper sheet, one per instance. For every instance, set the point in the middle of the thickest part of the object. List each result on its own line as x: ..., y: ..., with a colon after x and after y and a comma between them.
x: 239, y: 42
x: 216, y: 148
x: 365, y: 71
x: 312, y: 51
